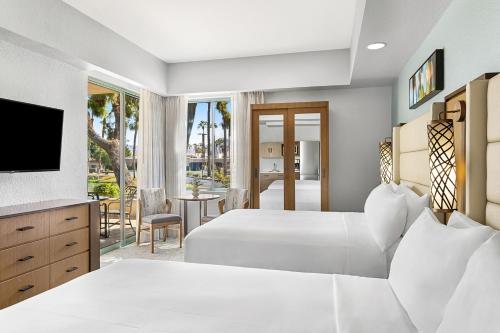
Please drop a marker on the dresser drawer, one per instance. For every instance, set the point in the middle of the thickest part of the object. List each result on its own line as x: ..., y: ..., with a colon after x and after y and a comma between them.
x: 24, y: 286
x: 68, y: 244
x: 23, y: 229
x: 23, y: 258
x: 68, y: 269
x: 68, y: 219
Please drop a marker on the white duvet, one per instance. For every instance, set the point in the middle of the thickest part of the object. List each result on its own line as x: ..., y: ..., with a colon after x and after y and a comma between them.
x: 319, y: 242
x: 305, y: 199
x: 155, y: 296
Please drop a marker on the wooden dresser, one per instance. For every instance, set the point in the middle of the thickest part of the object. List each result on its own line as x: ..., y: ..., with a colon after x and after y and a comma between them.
x: 45, y: 244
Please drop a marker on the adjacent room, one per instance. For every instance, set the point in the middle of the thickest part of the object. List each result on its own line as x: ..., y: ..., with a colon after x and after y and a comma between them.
x: 321, y: 166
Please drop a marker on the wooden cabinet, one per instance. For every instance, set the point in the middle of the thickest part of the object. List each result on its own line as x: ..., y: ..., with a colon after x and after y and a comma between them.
x: 43, y: 245
x: 266, y: 178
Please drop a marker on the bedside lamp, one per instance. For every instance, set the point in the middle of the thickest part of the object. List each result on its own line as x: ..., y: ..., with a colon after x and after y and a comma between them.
x: 385, y: 150
x: 442, y: 161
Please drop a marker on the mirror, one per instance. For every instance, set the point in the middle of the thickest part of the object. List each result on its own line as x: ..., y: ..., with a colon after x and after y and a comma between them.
x: 307, y: 161
x: 271, y: 175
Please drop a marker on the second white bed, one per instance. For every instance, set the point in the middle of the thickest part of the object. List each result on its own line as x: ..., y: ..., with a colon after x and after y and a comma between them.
x: 320, y: 242
x: 154, y: 296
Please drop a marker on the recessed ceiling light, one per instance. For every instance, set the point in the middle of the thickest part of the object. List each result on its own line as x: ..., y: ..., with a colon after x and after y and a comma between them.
x: 376, y: 46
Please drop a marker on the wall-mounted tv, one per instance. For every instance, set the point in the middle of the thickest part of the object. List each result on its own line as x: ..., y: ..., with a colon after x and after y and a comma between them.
x: 30, y: 137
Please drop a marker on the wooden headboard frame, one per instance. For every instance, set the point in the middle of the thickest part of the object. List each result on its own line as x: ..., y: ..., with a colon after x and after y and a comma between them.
x: 411, y: 152
x: 483, y: 151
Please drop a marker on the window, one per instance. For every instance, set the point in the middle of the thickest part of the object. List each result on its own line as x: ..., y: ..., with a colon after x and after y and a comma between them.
x: 208, y: 143
x: 112, y: 155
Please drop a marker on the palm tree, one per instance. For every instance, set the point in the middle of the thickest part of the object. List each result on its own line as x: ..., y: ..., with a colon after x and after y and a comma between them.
x: 225, y: 124
x: 202, y: 125
x: 132, y: 112
x: 110, y: 140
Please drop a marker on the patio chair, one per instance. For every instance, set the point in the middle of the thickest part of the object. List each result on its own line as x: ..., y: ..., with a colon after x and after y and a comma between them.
x: 154, y: 211
x: 130, y: 192
x: 235, y: 199
x: 103, y: 217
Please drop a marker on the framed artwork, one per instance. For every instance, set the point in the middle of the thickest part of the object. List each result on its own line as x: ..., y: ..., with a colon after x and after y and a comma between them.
x: 428, y: 80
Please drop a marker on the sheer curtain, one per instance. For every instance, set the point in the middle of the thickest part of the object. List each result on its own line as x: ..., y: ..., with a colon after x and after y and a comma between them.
x: 241, y: 138
x: 162, y: 143
x: 175, y: 146
x: 151, y: 141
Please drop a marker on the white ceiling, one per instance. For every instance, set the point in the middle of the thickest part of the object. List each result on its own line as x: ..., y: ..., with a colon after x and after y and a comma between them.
x: 403, y: 25
x: 192, y: 30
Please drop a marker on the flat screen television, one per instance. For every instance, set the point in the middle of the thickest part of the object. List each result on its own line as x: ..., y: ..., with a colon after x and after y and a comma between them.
x: 30, y: 137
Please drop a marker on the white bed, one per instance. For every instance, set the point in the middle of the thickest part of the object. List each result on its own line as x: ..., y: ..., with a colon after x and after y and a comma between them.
x: 305, y: 199
x: 299, y: 185
x: 307, y: 195
x: 321, y: 242
x: 156, y: 296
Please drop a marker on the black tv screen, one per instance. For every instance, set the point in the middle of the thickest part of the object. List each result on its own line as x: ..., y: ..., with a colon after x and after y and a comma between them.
x: 30, y: 136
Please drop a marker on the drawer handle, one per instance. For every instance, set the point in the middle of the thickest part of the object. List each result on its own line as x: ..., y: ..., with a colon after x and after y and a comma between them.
x: 72, y: 218
x: 25, y: 288
x: 71, y: 243
x: 71, y: 269
x: 26, y: 258
x: 29, y: 227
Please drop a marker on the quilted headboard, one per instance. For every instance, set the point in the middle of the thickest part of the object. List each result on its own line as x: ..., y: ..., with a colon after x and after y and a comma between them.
x: 483, y: 151
x: 493, y: 154
x: 411, y: 153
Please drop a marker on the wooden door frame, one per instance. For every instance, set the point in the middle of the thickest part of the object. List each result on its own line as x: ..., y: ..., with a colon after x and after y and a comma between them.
x: 289, y: 110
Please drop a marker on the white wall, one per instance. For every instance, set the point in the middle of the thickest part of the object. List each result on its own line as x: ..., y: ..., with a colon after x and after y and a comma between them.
x: 76, y: 37
x: 469, y: 32
x: 308, y: 69
x: 359, y: 119
x: 33, y: 78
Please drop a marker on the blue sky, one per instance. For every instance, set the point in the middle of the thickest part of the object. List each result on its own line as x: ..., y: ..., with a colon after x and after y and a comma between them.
x: 201, y: 114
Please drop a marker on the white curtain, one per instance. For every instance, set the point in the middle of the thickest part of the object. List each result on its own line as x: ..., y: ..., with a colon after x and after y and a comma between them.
x: 175, y: 146
x: 241, y: 138
x: 151, y: 143
x: 162, y: 143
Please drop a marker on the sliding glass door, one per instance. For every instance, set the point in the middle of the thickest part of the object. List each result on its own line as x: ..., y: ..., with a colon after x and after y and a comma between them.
x: 113, y: 120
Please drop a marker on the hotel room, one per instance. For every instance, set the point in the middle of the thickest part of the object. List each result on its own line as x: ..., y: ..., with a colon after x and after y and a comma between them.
x: 252, y: 166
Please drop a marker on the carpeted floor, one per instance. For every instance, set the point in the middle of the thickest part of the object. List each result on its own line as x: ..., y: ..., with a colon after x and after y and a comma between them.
x: 163, y: 251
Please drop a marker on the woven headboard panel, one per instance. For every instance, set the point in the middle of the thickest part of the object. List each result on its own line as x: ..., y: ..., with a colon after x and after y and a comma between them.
x: 493, y: 154
x: 411, y: 154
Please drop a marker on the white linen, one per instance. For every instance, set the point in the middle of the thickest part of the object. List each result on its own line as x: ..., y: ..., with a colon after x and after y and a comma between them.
x: 428, y: 264
x: 151, y: 141
x: 162, y: 143
x: 475, y: 303
x: 414, y: 203
x: 459, y: 220
x: 299, y: 185
x: 368, y: 305
x: 321, y: 242
x: 386, y: 213
x: 175, y: 147
x: 156, y: 296
x: 241, y: 121
x: 273, y: 199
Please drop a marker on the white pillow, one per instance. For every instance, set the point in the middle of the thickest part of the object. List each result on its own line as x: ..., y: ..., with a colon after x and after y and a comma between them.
x: 386, y: 215
x: 414, y: 203
x: 475, y: 304
x: 459, y: 220
x: 428, y: 264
